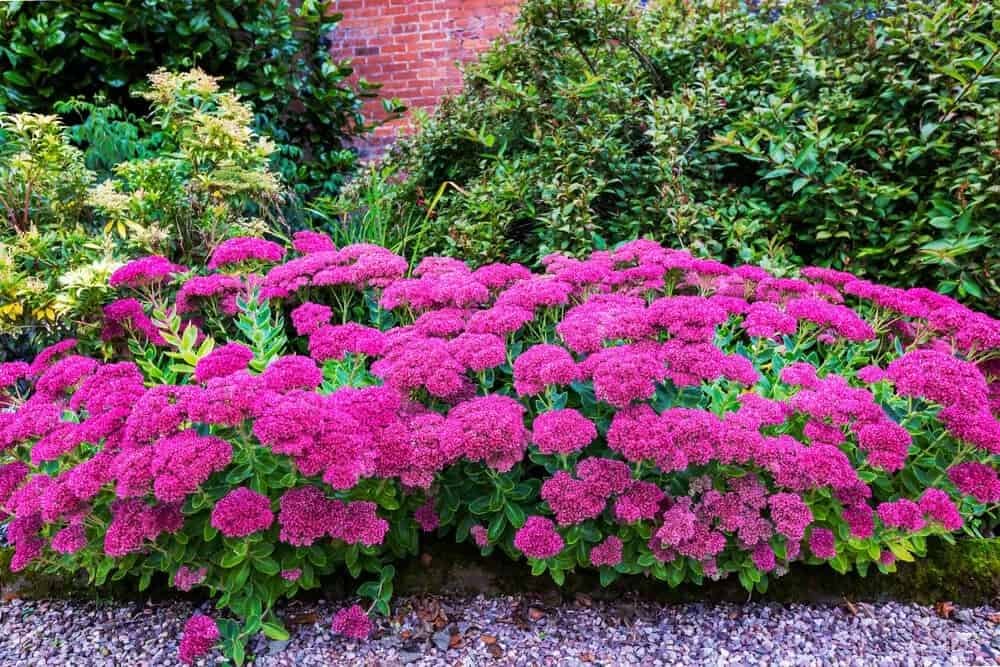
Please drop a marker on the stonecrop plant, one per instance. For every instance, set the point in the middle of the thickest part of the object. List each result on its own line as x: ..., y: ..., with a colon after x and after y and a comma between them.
x: 638, y: 412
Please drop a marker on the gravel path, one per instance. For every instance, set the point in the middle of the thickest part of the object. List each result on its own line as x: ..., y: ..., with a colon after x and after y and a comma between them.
x: 522, y: 631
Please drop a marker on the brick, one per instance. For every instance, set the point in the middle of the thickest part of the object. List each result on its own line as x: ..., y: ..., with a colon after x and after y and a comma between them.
x: 411, y: 47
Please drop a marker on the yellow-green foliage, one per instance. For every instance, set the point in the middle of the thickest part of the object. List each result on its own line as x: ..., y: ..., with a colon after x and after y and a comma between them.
x: 64, y: 232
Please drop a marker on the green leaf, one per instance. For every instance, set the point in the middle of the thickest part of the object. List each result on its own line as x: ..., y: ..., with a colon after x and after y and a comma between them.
x: 273, y: 629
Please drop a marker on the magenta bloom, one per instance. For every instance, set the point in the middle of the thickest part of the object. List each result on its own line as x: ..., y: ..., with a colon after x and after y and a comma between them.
x: 903, y: 514
x: 977, y: 480
x: 200, y: 635
x: 640, y: 501
x: 352, y: 622
x: 223, y: 361
x: 243, y: 249
x: 305, y: 516
x: 477, y: 352
x: 822, y: 544
x: 145, y: 271
x: 541, y: 366
x: 290, y: 372
x: 307, y: 242
x: 185, y: 578
x: 480, y: 535
x: 538, y: 538
x: 333, y: 342
x: 608, y: 552
x: 562, y: 431
x: 938, y: 505
x: 183, y: 462
x: 242, y: 512
x: 291, y: 575
x: 790, y: 514
x: 69, y: 540
x: 763, y: 557
x: 489, y: 429
x: 309, y: 317
x: 426, y: 517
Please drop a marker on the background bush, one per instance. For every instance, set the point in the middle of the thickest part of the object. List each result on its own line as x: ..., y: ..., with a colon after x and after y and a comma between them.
x: 273, y: 52
x: 200, y: 175
x: 843, y: 134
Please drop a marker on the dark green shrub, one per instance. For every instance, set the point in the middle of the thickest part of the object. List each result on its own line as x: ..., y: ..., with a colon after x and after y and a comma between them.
x: 274, y: 52
x: 837, y: 134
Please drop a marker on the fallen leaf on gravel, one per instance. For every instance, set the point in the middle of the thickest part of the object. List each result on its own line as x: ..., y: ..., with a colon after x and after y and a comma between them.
x: 495, y: 651
x: 405, y: 634
x: 944, y: 609
x: 994, y: 618
x: 489, y: 639
x: 584, y: 600
x: 586, y: 657
x: 308, y: 618
x: 536, y: 614
x: 850, y: 607
x: 455, y: 641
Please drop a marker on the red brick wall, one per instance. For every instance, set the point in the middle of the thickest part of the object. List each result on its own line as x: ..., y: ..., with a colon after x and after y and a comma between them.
x: 412, y: 46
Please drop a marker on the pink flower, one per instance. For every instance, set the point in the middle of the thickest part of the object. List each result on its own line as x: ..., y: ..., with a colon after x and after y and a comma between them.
x: 689, y: 318
x: 11, y: 372
x: 763, y: 557
x: 242, y: 512
x: 625, y: 374
x: 243, y: 249
x: 790, y: 514
x: 200, y: 635
x: 562, y: 431
x: 11, y: 476
x: 488, y: 429
x: 800, y: 373
x: 49, y: 354
x: 903, y: 513
x: 937, y: 505
x: 145, y: 271
x: 678, y: 526
x: 977, y: 480
x: 939, y: 377
x: 870, y: 374
x: 604, y: 477
x: 480, y: 535
x: 499, y: 320
x: 292, y: 372
x: 543, y: 365
x: 538, y: 538
x: 640, y: 501
x: 132, y: 522
x: 309, y: 317
x: 307, y: 242
x: 305, y: 516
x: 608, y: 552
x: 822, y: 544
x: 352, y: 622
x: 477, y: 352
x: 223, y: 361
x: 333, y: 342
x: 886, y: 443
x: 357, y: 523
x: 571, y: 500
x: 426, y: 517
x: 765, y: 320
x: 185, y: 578
x: 498, y: 276
x: 69, y: 540
x: 860, y: 519
x: 291, y: 575
x: 183, y: 462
